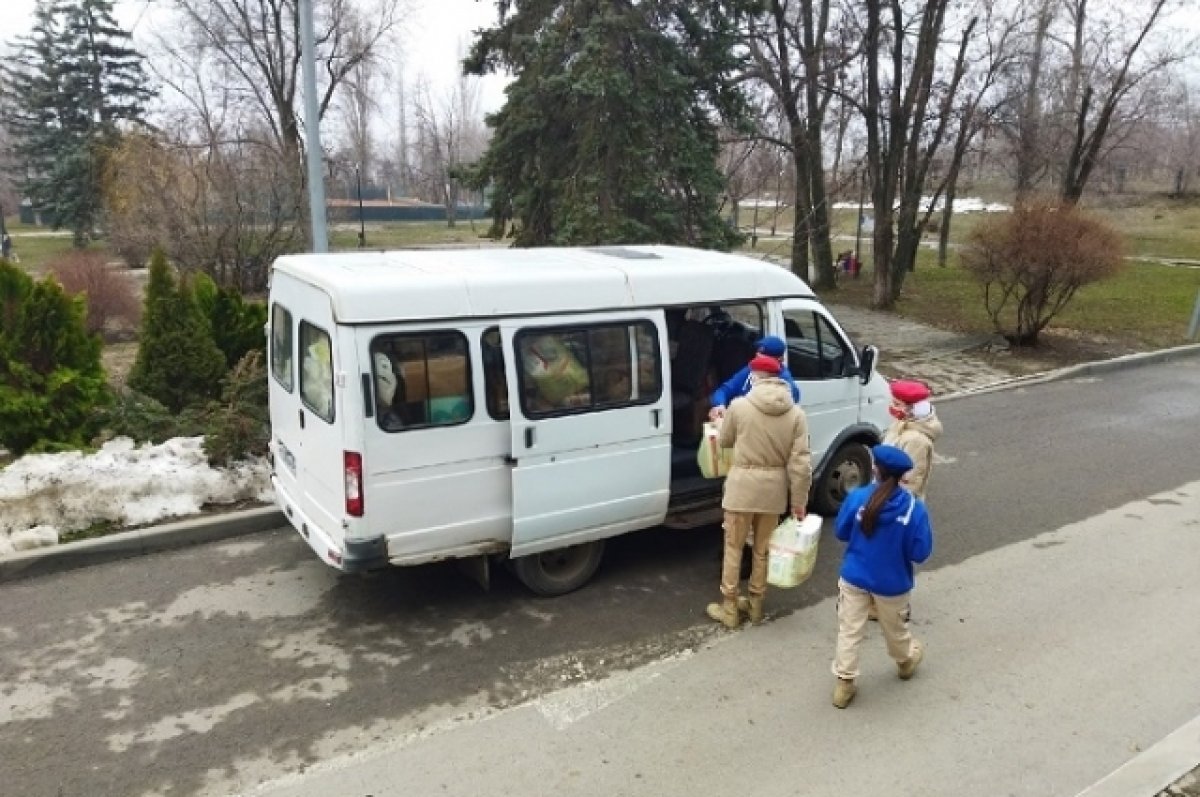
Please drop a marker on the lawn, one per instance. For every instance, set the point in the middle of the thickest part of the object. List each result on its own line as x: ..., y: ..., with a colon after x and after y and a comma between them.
x: 1148, y: 305
x: 401, y: 235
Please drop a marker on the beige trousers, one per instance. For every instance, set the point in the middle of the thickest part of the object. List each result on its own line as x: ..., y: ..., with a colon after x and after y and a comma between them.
x: 853, y: 605
x: 738, y: 526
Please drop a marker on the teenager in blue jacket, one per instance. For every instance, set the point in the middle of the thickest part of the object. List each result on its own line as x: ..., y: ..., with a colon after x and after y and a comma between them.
x: 739, y: 384
x: 887, y: 530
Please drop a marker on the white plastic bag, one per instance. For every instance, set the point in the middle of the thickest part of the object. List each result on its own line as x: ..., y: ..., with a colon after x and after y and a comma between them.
x: 715, y: 462
x: 793, y: 551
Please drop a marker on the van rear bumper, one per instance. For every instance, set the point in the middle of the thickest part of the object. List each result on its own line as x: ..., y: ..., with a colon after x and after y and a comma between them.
x: 349, y: 556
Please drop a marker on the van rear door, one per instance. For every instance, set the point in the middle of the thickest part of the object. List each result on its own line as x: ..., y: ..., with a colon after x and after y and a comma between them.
x: 316, y: 422
x: 590, y: 426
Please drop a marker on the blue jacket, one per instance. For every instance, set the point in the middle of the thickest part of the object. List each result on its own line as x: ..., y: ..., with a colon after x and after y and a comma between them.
x: 882, y: 563
x: 739, y: 385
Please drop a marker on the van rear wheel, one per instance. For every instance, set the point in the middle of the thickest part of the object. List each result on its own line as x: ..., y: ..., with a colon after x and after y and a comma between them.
x: 849, y: 468
x: 559, y: 571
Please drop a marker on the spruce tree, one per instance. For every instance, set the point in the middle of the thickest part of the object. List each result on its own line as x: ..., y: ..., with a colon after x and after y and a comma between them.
x: 51, y: 379
x: 177, y: 363
x: 73, y: 81
x: 609, y: 133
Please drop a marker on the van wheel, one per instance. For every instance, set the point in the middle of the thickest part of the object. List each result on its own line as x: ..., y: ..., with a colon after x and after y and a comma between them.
x: 849, y: 468
x: 559, y: 571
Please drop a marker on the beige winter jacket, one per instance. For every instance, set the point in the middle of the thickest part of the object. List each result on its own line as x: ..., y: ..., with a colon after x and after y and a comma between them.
x: 769, y: 437
x: 916, y: 437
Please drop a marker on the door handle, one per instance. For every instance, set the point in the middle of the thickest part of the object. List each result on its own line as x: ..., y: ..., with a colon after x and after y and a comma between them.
x: 657, y: 416
x: 301, y: 414
x: 529, y: 438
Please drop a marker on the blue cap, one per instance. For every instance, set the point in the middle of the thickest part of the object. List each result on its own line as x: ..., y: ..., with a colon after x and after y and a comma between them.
x: 892, y: 460
x: 772, y: 346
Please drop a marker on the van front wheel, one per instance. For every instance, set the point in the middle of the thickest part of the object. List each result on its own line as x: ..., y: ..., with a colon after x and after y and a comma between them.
x: 559, y: 571
x: 849, y: 468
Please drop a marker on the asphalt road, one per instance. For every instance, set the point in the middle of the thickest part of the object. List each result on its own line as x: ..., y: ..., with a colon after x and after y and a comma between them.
x: 181, y: 673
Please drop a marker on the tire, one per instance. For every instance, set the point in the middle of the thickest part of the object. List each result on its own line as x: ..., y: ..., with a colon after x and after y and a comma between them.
x: 849, y: 467
x: 559, y: 571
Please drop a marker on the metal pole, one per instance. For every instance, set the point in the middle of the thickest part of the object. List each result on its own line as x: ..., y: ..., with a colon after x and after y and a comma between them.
x: 1194, y: 327
x: 362, y: 224
x: 312, y: 129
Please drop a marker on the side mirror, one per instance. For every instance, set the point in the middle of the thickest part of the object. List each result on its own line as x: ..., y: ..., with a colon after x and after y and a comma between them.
x: 866, y: 363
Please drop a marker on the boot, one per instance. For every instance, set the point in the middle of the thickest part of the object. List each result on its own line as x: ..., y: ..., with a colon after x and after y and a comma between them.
x: 905, y: 669
x: 844, y: 692
x: 752, y: 607
x: 725, y: 613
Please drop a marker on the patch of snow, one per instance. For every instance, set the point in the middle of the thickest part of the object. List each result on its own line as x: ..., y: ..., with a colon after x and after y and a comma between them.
x: 966, y: 204
x: 45, y: 495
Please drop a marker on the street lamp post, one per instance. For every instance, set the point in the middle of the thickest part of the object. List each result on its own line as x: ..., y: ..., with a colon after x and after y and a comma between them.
x: 362, y: 224
x: 312, y: 129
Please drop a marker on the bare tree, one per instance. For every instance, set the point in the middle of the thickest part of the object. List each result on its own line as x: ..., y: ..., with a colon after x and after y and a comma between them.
x: 450, y: 136
x: 799, y: 48
x: 906, y: 111
x: 1104, y: 70
x: 359, y: 108
x: 976, y: 107
x: 251, y: 49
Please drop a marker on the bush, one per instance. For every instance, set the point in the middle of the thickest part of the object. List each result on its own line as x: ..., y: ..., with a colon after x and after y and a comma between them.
x: 177, y: 363
x: 237, y: 325
x: 110, y: 295
x: 144, y: 420
x: 1032, y: 262
x: 238, y: 427
x: 51, y: 379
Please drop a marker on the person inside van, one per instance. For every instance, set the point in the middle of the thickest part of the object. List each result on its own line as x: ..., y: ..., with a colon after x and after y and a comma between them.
x: 740, y: 383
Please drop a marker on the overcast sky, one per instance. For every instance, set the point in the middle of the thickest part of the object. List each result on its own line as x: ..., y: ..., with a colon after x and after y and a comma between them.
x: 429, y: 43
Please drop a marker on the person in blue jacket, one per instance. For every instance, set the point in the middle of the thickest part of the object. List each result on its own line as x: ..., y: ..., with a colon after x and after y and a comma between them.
x: 887, y: 530
x: 739, y: 384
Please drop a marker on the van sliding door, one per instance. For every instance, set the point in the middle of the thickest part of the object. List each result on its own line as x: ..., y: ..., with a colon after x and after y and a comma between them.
x: 590, y: 425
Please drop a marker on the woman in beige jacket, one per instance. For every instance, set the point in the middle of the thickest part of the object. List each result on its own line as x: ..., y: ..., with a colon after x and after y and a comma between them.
x: 769, y: 437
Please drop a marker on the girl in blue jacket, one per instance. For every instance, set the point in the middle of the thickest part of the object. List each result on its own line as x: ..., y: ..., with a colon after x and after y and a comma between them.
x: 887, y: 530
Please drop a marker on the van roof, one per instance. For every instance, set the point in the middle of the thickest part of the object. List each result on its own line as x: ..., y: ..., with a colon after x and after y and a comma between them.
x: 369, y: 287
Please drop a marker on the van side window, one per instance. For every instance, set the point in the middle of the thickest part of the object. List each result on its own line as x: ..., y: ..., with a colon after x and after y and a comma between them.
x: 281, y: 345
x: 316, y: 372
x: 815, y: 350
x: 579, y: 369
x: 495, y: 381
x: 421, y: 380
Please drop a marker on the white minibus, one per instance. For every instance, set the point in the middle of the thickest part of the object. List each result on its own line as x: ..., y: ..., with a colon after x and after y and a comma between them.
x: 528, y: 404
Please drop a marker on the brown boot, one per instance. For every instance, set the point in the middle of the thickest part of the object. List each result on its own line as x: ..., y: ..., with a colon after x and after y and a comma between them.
x: 752, y: 607
x: 725, y: 613
x: 844, y: 692
x: 905, y: 669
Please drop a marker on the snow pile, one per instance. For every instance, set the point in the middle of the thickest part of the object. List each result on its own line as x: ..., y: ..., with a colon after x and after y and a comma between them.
x: 966, y: 204
x: 45, y: 495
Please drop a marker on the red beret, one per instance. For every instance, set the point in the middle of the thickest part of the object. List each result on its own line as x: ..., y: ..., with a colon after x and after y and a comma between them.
x: 909, y: 391
x: 766, y: 364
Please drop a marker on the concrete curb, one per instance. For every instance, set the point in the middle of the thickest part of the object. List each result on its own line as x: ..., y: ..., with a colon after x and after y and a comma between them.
x: 1151, y: 771
x: 1083, y: 369
x: 122, y: 545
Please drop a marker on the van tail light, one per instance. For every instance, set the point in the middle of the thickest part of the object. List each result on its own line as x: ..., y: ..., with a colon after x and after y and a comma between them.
x: 354, y: 483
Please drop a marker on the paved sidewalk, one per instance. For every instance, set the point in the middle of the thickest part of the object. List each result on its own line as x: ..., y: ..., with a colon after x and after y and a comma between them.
x: 948, y: 362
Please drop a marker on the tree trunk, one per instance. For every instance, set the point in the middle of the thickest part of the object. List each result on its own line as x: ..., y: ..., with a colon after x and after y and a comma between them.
x: 800, y: 224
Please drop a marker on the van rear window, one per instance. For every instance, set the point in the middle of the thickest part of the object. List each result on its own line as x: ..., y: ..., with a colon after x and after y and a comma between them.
x: 316, y: 373
x: 281, y: 345
x: 421, y: 380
